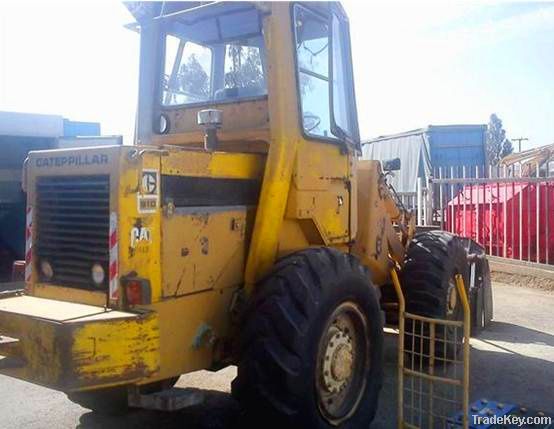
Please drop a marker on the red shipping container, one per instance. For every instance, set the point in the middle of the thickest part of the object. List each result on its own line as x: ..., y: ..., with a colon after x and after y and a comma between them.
x: 500, y: 216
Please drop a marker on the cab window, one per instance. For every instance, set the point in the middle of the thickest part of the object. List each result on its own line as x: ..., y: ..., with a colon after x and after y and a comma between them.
x: 324, y: 76
x: 312, y: 57
x: 214, y: 59
x: 188, y: 72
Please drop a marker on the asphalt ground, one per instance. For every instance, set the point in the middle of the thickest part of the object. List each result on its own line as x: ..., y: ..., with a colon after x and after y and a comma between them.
x: 513, y: 361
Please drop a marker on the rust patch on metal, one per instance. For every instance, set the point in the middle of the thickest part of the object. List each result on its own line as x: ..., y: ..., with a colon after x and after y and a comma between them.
x: 204, y: 245
x: 201, y: 217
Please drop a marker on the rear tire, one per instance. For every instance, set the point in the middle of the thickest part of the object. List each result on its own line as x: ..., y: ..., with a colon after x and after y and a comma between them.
x: 312, y: 344
x: 428, y: 281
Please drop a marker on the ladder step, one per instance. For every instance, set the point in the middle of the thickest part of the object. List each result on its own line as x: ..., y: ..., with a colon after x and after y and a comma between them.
x: 176, y: 398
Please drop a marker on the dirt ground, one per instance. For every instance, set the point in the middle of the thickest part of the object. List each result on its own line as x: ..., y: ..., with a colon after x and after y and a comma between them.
x: 513, y: 361
x: 523, y: 281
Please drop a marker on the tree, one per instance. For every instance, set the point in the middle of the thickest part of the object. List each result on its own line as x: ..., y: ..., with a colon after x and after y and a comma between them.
x: 246, y: 67
x: 497, y: 145
x: 193, y: 79
x: 507, y: 148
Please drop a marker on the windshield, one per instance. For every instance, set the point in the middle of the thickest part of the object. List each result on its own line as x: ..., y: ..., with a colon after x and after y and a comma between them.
x: 214, y: 59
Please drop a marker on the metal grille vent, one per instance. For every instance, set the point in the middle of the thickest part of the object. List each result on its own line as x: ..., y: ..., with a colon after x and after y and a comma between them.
x: 72, y: 221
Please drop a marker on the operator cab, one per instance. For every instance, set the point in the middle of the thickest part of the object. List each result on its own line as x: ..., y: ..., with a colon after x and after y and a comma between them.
x: 215, y: 56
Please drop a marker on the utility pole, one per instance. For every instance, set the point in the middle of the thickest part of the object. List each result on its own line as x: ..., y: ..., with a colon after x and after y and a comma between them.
x: 519, y: 140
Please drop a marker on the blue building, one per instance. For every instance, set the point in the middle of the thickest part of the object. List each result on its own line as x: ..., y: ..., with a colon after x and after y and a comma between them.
x: 19, y: 134
x: 424, y: 151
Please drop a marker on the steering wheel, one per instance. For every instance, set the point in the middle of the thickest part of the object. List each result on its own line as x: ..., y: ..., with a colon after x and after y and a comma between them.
x: 311, y: 119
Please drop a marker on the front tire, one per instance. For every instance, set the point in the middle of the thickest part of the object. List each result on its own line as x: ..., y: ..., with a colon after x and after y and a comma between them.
x: 428, y: 281
x: 312, y: 344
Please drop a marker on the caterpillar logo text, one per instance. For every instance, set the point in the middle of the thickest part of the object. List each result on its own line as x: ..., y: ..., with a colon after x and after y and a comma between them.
x: 72, y: 160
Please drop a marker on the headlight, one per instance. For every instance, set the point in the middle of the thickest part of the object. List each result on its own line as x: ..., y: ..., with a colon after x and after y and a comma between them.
x: 98, y: 274
x: 46, y: 269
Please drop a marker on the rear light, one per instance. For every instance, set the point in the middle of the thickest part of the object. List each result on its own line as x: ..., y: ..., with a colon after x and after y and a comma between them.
x: 133, y: 292
x: 18, y: 271
x: 137, y: 290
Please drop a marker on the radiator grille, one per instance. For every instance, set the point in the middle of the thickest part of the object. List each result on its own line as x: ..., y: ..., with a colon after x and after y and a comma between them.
x: 72, y: 225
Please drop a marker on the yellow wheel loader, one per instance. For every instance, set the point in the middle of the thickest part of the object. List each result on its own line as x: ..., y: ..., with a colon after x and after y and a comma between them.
x: 241, y: 228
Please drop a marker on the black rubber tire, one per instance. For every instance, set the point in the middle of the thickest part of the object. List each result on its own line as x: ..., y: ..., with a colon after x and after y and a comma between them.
x: 432, y: 260
x: 281, y: 332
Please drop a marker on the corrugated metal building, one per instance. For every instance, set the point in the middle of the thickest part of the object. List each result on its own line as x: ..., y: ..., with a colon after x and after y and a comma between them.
x: 425, y: 150
x: 423, y: 153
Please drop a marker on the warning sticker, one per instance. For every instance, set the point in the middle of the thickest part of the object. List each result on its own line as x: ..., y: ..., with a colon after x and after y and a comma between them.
x: 148, y: 198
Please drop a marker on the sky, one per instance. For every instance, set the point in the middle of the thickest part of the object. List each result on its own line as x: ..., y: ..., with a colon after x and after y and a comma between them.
x: 415, y: 64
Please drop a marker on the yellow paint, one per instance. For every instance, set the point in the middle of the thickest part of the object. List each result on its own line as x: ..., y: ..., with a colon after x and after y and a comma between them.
x: 43, y: 290
x: 70, y: 346
x: 217, y: 164
x: 376, y: 240
x: 197, y: 260
x: 109, y: 352
x: 203, y: 248
x: 239, y: 117
x: 285, y: 135
x: 181, y: 320
x: 144, y: 259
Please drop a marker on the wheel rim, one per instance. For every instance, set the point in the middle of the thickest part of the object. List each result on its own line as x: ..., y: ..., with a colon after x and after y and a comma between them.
x: 342, y: 363
x: 451, y: 297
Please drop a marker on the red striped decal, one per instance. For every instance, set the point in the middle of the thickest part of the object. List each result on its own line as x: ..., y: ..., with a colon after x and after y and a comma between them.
x: 114, y: 281
x: 29, y: 245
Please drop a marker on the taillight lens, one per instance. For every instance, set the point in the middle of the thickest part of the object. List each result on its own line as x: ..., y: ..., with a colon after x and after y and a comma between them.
x: 137, y: 291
